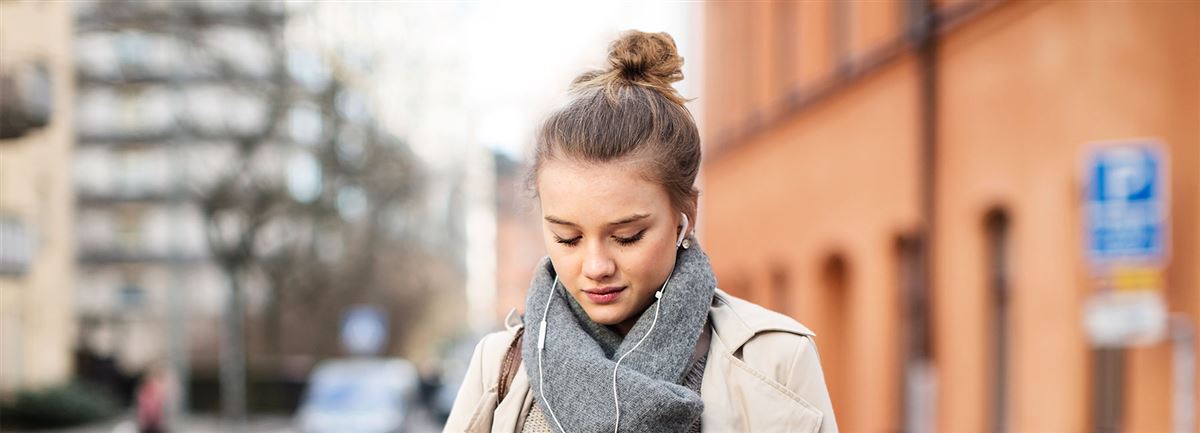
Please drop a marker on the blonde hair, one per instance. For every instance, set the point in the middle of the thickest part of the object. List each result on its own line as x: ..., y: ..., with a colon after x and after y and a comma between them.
x: 629, y: 111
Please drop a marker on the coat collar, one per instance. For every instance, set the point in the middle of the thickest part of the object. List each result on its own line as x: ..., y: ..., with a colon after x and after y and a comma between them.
x: 513, y: 321
x: 737, y: 321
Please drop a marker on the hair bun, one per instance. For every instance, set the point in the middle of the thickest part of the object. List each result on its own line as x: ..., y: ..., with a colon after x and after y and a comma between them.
x: 637, y: 59
x: 650, y: 58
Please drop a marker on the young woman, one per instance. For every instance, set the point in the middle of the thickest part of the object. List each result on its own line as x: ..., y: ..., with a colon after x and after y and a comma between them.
x: 624, y: 328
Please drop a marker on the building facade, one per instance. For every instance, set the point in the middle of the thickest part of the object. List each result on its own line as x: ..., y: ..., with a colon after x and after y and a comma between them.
x: 37, y: 249
x: 166, y: 91
x: 905, y: 178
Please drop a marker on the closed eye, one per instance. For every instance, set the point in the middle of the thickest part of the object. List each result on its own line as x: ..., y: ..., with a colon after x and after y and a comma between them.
x: 630, y: 240
x: 570, y: 242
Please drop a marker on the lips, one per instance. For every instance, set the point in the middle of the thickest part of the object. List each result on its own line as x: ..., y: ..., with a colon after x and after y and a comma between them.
x: 604, y: 295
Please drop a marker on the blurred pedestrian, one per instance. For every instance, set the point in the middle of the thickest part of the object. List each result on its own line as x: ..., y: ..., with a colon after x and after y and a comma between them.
x: 152, y: 398
x: 627, y: 330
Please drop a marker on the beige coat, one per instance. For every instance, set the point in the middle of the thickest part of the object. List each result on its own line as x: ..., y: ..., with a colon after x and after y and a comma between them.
x: 762, y: 375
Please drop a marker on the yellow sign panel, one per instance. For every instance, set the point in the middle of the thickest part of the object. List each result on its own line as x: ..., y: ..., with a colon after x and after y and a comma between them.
x: 1136, y: 279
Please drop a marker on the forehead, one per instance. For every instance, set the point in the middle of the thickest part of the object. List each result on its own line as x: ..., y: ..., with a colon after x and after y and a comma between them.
x: 598, y: 192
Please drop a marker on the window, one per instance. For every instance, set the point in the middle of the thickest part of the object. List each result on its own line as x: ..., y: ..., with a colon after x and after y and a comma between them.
x: 997, y: 232
x: 919, y: 383
x: 835, y: 329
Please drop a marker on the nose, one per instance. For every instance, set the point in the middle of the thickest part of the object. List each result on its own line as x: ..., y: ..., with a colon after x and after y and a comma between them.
x: 598, y: 266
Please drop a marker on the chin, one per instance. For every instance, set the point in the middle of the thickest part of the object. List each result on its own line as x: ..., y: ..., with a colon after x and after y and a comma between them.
x: 605, y: 315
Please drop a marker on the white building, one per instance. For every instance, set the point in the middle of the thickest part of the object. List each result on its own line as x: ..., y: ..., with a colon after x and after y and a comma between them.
x: 37, y: 263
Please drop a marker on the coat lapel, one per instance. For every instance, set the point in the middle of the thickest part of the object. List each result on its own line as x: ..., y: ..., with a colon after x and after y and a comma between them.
x: 737, y: 398
x: 512, y: 410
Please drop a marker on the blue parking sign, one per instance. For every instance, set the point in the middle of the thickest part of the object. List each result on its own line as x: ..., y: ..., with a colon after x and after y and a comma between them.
x: 1126, y: 204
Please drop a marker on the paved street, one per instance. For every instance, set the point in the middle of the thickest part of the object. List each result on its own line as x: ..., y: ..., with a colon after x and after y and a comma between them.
x: 202, y: 424
x: 419, y: 422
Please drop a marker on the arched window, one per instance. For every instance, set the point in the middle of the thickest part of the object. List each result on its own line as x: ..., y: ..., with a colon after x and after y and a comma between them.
x: 918, y: 393
x: 997, y: 255
x: 834, y: 334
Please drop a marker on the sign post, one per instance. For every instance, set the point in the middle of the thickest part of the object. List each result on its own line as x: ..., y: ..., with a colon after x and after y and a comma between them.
x: 1126, y: 225
x: 1125, y: 220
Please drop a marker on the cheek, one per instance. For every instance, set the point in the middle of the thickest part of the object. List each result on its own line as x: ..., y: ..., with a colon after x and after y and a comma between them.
x: 649, y: 266
x: 567, y: 265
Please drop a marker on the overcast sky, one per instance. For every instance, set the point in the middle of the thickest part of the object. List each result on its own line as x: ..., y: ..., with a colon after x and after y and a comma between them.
x: 449, y: 75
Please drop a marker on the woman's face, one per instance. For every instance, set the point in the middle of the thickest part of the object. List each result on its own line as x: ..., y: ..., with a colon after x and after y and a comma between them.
x: 610, y: 234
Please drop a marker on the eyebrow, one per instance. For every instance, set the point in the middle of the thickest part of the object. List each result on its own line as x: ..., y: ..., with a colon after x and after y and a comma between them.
x: 622, y: 221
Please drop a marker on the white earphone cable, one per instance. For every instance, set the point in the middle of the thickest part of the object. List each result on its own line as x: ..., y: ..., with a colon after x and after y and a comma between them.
x: 657, y: 305
x: 541, y: 346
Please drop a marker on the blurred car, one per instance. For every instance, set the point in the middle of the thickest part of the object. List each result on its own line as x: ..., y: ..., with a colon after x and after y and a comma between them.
x: 368, y: 395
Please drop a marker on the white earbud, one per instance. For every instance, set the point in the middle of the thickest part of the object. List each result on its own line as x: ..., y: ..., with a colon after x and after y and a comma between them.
x: 683, y: 232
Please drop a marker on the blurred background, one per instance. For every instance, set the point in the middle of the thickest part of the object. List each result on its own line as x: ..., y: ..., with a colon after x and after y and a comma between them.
x: 301, y: 216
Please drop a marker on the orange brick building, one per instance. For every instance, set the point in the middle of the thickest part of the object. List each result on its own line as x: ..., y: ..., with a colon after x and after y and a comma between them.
x: 846, y: 142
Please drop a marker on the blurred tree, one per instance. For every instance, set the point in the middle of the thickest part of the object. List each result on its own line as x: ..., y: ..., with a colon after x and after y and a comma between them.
x: 346, y: 244
x: 316, y: 208
x: 325, y: 233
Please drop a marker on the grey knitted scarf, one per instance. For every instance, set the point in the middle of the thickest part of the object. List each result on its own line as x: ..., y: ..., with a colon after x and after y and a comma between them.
x: 580, y: 355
